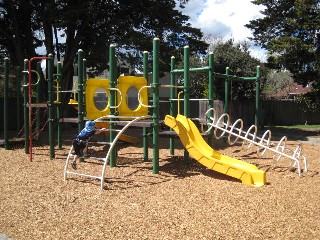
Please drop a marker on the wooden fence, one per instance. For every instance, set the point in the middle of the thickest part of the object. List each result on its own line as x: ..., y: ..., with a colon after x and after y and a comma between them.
x: 273, y: 112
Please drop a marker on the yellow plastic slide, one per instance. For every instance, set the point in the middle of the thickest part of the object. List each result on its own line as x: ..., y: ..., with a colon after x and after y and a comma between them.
x: 199, y: 149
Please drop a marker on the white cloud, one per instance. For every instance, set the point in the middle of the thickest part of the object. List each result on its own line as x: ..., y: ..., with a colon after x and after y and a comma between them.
x: 225, y: 18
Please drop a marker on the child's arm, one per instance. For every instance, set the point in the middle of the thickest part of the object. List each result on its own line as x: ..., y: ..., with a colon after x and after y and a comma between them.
x: 99, y: 130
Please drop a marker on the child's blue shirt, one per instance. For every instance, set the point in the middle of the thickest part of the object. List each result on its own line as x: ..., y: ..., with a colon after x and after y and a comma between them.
x: 84, y: 135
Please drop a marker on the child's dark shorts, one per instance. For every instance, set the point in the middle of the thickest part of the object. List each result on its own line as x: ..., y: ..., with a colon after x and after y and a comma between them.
x: 78, y: 146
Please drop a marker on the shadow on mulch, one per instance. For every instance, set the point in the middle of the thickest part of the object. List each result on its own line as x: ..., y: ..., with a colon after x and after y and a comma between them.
x: 294, y: 134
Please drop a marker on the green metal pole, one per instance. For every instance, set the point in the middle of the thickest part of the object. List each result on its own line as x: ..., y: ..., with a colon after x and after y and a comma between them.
x: 5, y: 103
x: 38, y: 89
x: 226, y: 92
x: 186, y: 93
x: 80, y: 91
x: 18, y: 86
x: 25, y: 106
x: 80, y: 94
x: 186, y: 74
x: 84, y: 85
x: 59, y: 79
x: 257, y: 97
x: 172, y: 96
x: 145, y: 130
x: 211, y: 92
x: 51, y: 105
x: 113, y: 83
x: 155, y: 115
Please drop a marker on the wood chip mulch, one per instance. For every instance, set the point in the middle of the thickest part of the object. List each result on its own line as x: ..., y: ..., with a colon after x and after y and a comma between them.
x: 181, y: 202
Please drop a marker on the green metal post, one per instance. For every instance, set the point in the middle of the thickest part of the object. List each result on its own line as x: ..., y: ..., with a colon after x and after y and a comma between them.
x: 186, y: 73
x: 172, y: 96
x: 51, y: 105
x: 5, y: 103
x: 211, y: 92
x: 84, y: 85
x: 155, y: 115
x: 113, y: 84
x: 59, y: 79
x: 80, y: 91
x: 38, y: 89
x: 145, y: 130
x: 226, y: 92
x: 186, y: 93
x: 80, y: 94
x: 25, y: 106
x: 257, y: 97
x: 18, y: 107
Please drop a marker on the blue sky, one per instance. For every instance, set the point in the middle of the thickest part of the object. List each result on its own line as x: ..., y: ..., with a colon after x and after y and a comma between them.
x: 222, y: 18
x: 226, y: 19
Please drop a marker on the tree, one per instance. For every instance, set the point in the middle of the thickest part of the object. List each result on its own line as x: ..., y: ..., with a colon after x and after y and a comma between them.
x: 93, y: 26
x: 278, y: 82
x: 237, y: 57
x: 309, y: 102
x: 18, y: 39
x: 289, y: 30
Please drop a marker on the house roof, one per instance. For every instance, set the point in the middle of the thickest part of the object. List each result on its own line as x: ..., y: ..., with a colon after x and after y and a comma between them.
x: 297, y: 89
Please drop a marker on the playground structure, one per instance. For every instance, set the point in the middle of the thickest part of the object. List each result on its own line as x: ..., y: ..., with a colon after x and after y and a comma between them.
x: 116, y: 113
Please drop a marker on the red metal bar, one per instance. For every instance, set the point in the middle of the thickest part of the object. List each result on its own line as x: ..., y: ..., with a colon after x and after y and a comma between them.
x: 30, y: 101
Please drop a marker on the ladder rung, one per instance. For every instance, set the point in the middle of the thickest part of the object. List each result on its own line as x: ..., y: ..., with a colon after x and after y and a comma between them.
x: 103, y: 143
x: 85, y: 175
x: 97, y: 158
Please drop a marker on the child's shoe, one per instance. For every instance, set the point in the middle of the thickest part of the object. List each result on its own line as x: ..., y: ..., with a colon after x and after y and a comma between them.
x: 74, y: 165
x: 87, y: 154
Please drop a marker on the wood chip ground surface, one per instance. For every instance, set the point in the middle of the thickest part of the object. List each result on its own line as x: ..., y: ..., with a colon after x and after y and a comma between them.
x: 181, y: 202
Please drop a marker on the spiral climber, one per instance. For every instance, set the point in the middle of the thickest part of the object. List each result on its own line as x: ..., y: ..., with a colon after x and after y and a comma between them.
x: 222, y: 127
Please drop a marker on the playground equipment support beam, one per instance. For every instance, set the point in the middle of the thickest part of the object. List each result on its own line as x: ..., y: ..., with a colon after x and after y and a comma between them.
x: 59, y: 79
x: 172, y: 96
x: 25, y: 106
x: 5, y: 102
x: 257, y: 97
x: 18, y: 90
x: 235, y: 78
x: 155, y: 116
x: 226, y: 91
x: 205, y: 69
x: 211, y: 76
x: 186, y: 91
x: 144, y: 129
x: 81, y: 106
x: 113, y: 83
x: 38, y: 90
x: 51, y: 105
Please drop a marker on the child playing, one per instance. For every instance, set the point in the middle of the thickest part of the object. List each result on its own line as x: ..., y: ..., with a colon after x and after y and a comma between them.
x: 80, y: 142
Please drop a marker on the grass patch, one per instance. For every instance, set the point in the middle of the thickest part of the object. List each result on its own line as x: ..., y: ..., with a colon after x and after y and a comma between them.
x: 300, y: 126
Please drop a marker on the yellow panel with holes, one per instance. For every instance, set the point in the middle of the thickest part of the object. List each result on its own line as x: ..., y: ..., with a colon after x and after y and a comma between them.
x: 129, y: 86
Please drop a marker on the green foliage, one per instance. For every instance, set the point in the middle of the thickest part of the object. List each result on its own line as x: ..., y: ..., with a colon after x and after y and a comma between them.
x: 226, y: 54
x: 310, y: 101
x: 278, y: 82
x: 64, y: 26
x: 12, y: 86
x: 237, y: 58
x: 289, y: 30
